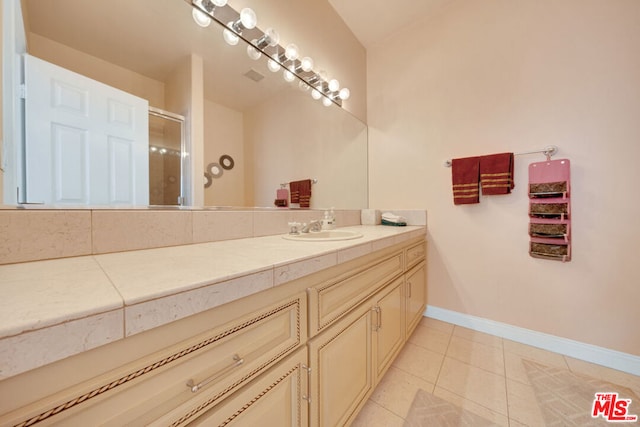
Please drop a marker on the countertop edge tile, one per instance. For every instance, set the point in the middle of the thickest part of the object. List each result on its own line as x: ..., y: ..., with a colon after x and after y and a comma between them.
x: 23, y: 352
x: 295, y: 270
x: 151, y: 314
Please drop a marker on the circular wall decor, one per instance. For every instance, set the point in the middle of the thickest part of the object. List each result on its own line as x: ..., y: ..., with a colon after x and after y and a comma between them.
x: 215, y: 170
x: 226, y: 161
x: 207, y: 180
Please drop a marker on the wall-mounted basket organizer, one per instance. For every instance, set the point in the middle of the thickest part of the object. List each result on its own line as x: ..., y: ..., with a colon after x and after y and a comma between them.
x: 550, y: 210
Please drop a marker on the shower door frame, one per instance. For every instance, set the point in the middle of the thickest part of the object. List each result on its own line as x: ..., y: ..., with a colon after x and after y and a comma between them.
x: 183, y: 199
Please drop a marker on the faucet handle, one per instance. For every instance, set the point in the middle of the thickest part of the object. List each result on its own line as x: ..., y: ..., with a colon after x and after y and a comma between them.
x: 293, y: 227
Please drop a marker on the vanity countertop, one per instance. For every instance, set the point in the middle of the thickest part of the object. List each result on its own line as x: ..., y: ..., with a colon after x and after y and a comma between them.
x: 70, y: 305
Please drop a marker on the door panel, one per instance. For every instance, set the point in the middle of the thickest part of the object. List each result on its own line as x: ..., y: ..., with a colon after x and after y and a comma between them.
x: 69, y: 166
x: 85, y: 142
x: 389, y: 332
x: 416, y: 296
x: 341, y: 370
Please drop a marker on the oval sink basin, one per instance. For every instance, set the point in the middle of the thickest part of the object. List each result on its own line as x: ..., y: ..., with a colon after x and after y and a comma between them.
x: 324, y: 236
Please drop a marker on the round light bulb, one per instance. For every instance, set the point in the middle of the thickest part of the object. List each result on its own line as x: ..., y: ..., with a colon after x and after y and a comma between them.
x: 315, y: 94
x: 334, y: 85
x: 248, y: 18
x: 303, y: 86
x: 291, y: 52
x: 306, y: 64
x: 252, y: 52
x: 229, y: 36
x: 273, y: 66
x: 344, y: 93
x: 201, y: 18
x: 326, y: 101
x: 219, y: 3
x: 289, y: 76
x: 272, y: 36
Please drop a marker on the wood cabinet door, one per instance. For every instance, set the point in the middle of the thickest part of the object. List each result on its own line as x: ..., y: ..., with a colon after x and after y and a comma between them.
x: 388, y: 326
x: 416, y: 295
x: 341, y: 369
x: 277, y: 398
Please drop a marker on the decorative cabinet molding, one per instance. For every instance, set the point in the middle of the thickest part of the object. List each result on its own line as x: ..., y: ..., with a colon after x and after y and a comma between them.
x: 416, y: 296
x: 277, y: 398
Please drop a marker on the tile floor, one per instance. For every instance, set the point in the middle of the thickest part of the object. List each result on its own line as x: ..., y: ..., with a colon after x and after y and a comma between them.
x: 478, y: 372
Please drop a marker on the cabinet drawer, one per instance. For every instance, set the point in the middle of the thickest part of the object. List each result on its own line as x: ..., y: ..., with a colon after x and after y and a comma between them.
x: 276, y: 398
x: 206, y: 369
x: 415, y: 254
x: 334, y: 298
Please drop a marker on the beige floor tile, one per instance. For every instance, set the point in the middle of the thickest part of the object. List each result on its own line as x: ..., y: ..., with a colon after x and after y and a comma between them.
x: 397, y: 390
x: 475, y: 384
x: 477, y: 354
x: 470, y: 406
x: 514, y: 353
x: 514, y: 369
x: 516, y: 423
x: 437, y: 324
x: 430, y: 338
x: 523, y: 406
x: 374, y: 415
x: 604, y: 373
x: 420, y: 362
x: 535, y: 354
x: 476, y: 336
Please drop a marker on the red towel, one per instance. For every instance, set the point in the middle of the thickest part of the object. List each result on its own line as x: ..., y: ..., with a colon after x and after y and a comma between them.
x: 301, y: 192
x: 496, y: 174
x: 465, y: 177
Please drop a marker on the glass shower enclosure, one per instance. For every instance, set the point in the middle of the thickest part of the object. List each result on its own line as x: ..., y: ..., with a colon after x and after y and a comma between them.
x: 166, y: 151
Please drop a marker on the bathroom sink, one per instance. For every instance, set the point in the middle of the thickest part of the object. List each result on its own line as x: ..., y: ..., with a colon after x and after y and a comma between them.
x: 324, y: 236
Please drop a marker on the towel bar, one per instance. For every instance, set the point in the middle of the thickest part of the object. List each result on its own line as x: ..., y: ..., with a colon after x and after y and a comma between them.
x: 284, y: 184
x: 550, y: 150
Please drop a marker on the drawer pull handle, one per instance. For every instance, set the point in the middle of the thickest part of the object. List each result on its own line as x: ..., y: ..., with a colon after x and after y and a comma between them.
x: 378, y: 324
x: 237, y: 361
x: 307, y: 396
x: 409, y: 290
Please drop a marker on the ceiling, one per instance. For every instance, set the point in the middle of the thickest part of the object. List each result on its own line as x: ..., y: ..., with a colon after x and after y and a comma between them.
x: 374, y: 20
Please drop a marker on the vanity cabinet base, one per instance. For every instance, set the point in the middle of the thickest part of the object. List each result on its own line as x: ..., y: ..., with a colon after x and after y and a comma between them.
x: 306, y: 353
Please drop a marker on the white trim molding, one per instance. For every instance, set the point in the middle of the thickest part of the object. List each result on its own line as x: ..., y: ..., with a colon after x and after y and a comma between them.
x: 599, y: 355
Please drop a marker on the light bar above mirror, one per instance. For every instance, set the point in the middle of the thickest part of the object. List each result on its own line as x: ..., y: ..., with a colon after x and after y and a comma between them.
x: 243, y: 25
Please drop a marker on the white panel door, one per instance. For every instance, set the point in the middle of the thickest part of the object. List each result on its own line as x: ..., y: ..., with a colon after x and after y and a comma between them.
x: 85, y: 142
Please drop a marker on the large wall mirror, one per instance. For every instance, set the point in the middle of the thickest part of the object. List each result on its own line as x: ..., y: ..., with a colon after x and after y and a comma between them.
x: 258, y: 131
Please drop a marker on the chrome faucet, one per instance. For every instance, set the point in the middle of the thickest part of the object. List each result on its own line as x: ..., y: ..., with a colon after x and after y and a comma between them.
x: 313, y: 225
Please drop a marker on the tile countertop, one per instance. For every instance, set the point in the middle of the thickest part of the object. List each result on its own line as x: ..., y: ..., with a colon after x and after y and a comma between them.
x: 71, y: 305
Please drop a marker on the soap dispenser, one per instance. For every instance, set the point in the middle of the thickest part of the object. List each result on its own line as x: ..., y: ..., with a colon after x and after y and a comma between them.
x: 327, y: 221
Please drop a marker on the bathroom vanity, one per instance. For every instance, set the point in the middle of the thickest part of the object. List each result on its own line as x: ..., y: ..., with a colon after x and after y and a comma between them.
x: 308, y: 350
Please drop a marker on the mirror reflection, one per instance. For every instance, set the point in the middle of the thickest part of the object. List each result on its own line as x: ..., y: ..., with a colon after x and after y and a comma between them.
x: 234, y: 107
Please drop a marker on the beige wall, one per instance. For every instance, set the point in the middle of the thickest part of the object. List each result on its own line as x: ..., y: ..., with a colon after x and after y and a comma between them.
x: 313, y: 141
x: 97, y: 69
x: 502, y: 75
x: 223, y: 134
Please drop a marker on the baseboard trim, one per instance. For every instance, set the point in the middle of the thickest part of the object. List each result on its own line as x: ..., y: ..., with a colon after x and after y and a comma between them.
x: 579, y: 350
